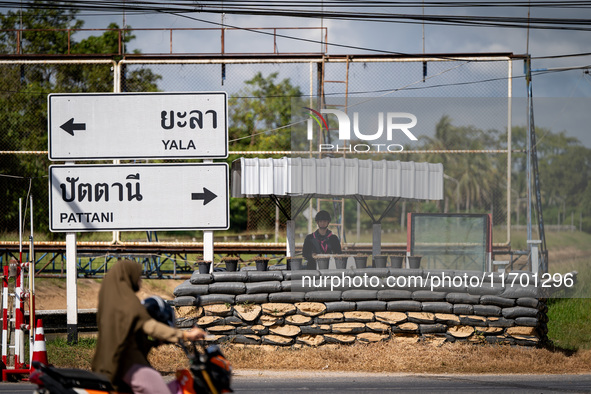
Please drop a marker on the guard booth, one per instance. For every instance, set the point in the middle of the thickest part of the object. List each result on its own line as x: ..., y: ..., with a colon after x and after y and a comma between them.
x: 307, y: 178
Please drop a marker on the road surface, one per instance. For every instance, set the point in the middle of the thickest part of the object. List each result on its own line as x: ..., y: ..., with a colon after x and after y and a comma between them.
x: 252, y: 381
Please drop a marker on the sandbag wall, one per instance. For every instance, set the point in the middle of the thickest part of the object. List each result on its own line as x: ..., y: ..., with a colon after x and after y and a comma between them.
x: 288, y: 308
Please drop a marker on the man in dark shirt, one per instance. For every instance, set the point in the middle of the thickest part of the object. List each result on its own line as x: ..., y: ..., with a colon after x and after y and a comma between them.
x: 321, y: 241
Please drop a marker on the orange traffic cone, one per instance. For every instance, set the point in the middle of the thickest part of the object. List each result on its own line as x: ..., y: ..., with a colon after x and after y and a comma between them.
x: 39, y: 350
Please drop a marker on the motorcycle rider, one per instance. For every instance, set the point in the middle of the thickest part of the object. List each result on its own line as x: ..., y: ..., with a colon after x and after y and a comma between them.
x: 124, y: 326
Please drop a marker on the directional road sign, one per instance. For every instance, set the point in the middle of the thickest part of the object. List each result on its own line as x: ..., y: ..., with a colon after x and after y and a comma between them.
x: 105, y: 126
x: 111, y: 197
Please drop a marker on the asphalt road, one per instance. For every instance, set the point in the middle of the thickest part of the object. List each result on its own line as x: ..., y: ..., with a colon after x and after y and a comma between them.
x: 345, y: 382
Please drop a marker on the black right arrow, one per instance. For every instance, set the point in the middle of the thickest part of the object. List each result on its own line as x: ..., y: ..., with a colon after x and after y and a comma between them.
x: 69, y: 127
x: 206, y: 196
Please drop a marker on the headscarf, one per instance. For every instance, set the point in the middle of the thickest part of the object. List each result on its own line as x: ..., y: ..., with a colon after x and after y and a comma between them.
x: 120, y: 316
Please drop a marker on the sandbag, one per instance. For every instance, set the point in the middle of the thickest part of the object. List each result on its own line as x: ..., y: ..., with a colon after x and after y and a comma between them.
x: 437, y: 307
x: 211, y: 299
x: 462, y: 298
x: 261, y: 276
x: 186, y: 301
x: 394, y: 295
x: 372, y: 306
x: 404, y: 306
x: 293, y: 296
x: 340, y: 306
x: 520, y: 311
x: 487, y: 310
x: 201, y: 279
x: 227, y: 288
x: 252, y: 298
x: 230, y: 276
x: 323, y: 296
x: 263, y: 287
x: 496, y: 300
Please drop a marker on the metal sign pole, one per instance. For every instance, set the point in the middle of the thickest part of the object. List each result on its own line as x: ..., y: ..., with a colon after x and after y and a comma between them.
x: 71, y: 287
x: 208, y: 240
x: 32, y: 322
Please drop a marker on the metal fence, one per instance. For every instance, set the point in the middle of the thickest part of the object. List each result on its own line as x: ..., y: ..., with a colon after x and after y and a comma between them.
x: 23, y: 134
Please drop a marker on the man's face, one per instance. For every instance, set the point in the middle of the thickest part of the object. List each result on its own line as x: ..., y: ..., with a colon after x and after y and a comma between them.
x: 323, y: 224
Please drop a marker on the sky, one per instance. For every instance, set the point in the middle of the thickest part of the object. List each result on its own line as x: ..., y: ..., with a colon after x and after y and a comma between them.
x: 565, y: 94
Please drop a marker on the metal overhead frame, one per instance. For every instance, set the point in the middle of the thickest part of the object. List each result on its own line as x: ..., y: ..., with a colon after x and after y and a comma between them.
x: 285, y: 211
x: 290, y: 225
x: 338, y: 205
x: 376, y: 224
x: 320, y: 57
x: 532, y: 169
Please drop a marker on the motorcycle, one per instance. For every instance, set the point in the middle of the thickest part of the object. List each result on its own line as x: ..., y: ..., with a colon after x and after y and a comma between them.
x: 209, y: 373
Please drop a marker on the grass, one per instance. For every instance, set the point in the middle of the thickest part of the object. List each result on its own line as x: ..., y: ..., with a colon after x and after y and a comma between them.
x: 64, y: 355
x: 395, y: 356
x: 391, y: 356
x: 554, y: 240
x: 568, y: 323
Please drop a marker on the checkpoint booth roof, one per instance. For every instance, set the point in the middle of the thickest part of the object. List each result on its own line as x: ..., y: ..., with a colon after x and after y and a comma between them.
x: 335, y: 177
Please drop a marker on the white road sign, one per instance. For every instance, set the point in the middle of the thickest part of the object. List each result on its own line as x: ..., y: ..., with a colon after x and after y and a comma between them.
x: 138, y: 197
x: 105, y: 126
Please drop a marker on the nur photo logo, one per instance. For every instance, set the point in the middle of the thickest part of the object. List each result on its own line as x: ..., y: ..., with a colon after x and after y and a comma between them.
x: 392, y: 124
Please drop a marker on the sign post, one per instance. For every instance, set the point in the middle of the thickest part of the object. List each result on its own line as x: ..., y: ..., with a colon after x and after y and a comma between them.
x: 119, y: 126
x: 111, y: 126
x: 130, y: 197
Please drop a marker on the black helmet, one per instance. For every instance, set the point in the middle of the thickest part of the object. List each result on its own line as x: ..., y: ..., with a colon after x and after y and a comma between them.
x: 159, y: 310
x: 322, y: 215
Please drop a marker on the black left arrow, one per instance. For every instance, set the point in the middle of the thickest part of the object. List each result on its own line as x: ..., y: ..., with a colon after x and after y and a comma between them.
x: 206, y: 196
x: 69, y: 127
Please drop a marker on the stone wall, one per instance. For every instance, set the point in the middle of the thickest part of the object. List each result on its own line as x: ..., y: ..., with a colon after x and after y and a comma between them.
x: 275, y: 308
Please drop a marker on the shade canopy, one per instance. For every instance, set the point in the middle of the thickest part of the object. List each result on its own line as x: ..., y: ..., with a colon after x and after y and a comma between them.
x: 337, y: 177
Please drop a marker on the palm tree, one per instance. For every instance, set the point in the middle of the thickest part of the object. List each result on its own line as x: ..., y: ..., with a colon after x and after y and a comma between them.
x: 475, y: 176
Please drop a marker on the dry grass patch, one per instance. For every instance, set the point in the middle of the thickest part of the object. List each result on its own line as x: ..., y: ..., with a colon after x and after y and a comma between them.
x: 412, y: 358
x: 167, y: 359
x: 389, y: 356
x: 393, y: 357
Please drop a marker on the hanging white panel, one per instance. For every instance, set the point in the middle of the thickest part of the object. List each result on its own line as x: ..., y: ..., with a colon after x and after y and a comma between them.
x: 351, y: 177
x: 436, y: 181
x: 294, y: 175
x: 266, y: 176
x: 393, y: 172
x: 236, y: 178
x: 337, y: 178
x: 422, y: 181
x: 280, y: 176
x: 365, y: 181
x: 379, y: 179
x: 323, y: 177
x: 309, y: 176
x: 250, y: 177
x: 407, y: 179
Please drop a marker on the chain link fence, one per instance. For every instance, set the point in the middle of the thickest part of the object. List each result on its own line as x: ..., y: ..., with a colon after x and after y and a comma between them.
x: 476, y: 181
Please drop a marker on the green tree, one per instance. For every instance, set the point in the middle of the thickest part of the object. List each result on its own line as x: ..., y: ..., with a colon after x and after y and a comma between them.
x: 472, y: 179
x: 259, y: 110
x: 564, y: 171
x: 23, y: 97
x: 257, y: 119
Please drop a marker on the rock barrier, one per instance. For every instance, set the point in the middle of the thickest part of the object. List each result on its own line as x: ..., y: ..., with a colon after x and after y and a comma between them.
x: 287, y: 308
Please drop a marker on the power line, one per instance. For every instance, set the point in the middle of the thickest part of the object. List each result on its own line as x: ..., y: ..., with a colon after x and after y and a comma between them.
x: 294, y: 9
